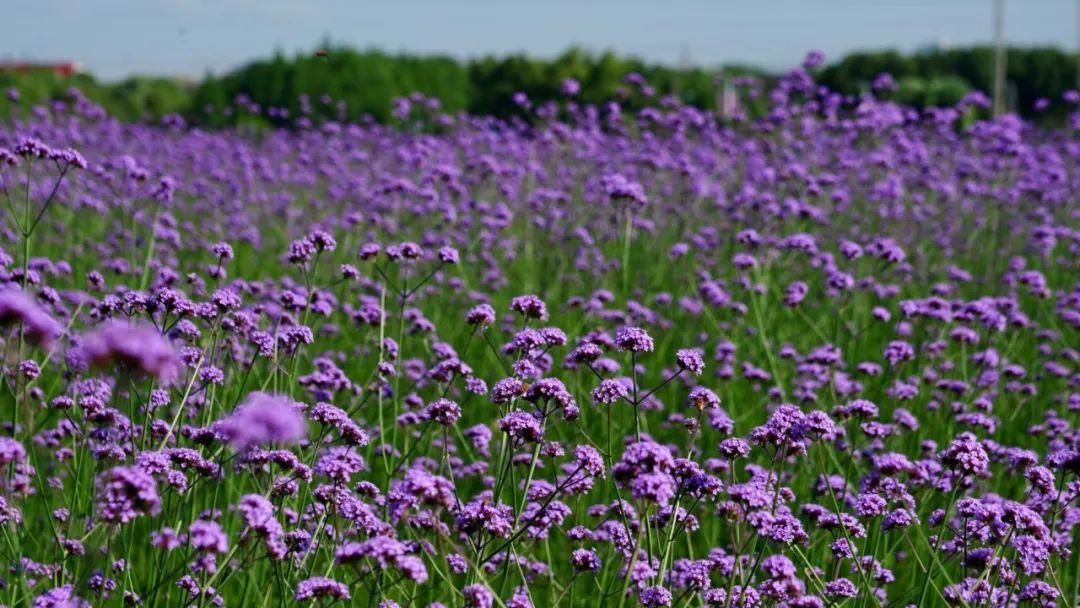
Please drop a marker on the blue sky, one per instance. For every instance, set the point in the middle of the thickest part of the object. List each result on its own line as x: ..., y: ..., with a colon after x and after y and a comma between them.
x: 115, y: 38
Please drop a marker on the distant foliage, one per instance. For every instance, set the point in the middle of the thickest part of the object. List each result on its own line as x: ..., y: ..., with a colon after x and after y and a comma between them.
x: 131, y: 99
x: 942, y: 77
x: 367, y: 82
x: 340, y: 83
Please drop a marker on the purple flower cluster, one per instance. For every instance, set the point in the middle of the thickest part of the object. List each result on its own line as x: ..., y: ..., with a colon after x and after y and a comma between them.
x: 263, y: 419
x: 627, y: 354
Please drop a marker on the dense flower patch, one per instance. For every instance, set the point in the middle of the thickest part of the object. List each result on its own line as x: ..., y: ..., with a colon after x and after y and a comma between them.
x: 827, y: 358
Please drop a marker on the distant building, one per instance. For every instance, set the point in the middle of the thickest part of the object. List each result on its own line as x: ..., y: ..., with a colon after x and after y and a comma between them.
x: 932, y: 48
x: 727, y: 97
x: 61, y: 68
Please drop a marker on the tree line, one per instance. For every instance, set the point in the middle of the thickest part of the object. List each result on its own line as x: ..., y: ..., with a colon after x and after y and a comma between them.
x: 342, y: 83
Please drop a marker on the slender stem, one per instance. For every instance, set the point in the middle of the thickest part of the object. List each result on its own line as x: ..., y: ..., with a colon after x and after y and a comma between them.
x: 627, y: 233
x: 637, y: 402
x: 934, y: 548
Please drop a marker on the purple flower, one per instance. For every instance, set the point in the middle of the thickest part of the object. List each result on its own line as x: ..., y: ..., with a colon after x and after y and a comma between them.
x: 481, y: 315
x: 634, y: 339
x: 319, y: 587
x: 795, y: 294
x: 443, y: 411
x: 457, y: 564
x: 702, y: 398
x: 521, y: 426
x: 898, y: 351
x: 369, y: 250
x: 410, y: 251
x: 124, y: 493
x: 222, y: 250
x: 530, y: 307
x: 788, y: 427
x: 840, y: 588
x: 263, y: 419
x: 1040, y: 593
x: 586, y: 353
x: 137, y: 347
x: 585, y: 560
x: 813, y: 59
x: 477, y: 596
x: 655, y: 597
x: 449, y: 255
x: 619, y: 188
x: 207, y: 536
x: 610, y: 391
x: 784, y: 528
x: 60, y: 597
x: 507, y: 389
x: 480, y: 515
x: 301, y: 251
x: 966, y: 455
x: 29, y: 147
x: 733, y: 448
x: 549, y: 390
x: 590, y: 460
x: 690, y: 360
x: 16, y: 308
x: 384, y: 552
x: 339, y: 463
x: 322, y: 241
x: 258, y: 514
x: 897, y: 518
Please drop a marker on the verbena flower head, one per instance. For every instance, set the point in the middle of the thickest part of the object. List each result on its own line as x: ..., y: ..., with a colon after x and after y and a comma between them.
x: 521, y: 426
x: 590, y: 461
x: 610, y: 391
x: 207, y: 536
x: 134, y: 347
x: 966, y: 455
x: 619, y: 188
x: 702, y: 398
x: 481, y: 315
x: 690, y: 360
x: 633, y: 339
x: 263, y: 419
x: 655, y: 597
x: 124, y: 493
x: 16, y: 308
x: 477, y: 596
x: 449, y: 255
x: 60, y: 597
x: 318, y: 587
x: 339, y: 463
x: 529, y: 307
x: 585, y: 559
x: 443, y: 411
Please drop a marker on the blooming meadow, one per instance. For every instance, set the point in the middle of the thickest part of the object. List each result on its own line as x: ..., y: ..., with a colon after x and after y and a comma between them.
x: 827, y: 357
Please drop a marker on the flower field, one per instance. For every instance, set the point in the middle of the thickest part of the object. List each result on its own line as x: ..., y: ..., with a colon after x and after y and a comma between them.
x: 826, y: 357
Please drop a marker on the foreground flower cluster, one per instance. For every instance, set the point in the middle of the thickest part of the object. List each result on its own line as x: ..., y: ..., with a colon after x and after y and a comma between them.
x: 828, y: 358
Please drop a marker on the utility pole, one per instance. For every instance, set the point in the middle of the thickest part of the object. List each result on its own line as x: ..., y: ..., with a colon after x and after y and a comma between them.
x: 999, y: 57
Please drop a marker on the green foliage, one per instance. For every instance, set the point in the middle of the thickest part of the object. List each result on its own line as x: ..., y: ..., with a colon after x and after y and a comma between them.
x: 932, y: 92
x: 135, y: 98
x: 939, y: 77
x: 368, y: 81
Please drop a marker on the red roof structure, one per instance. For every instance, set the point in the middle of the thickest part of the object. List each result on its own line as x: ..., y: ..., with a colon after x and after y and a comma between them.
x: 61, y: 68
